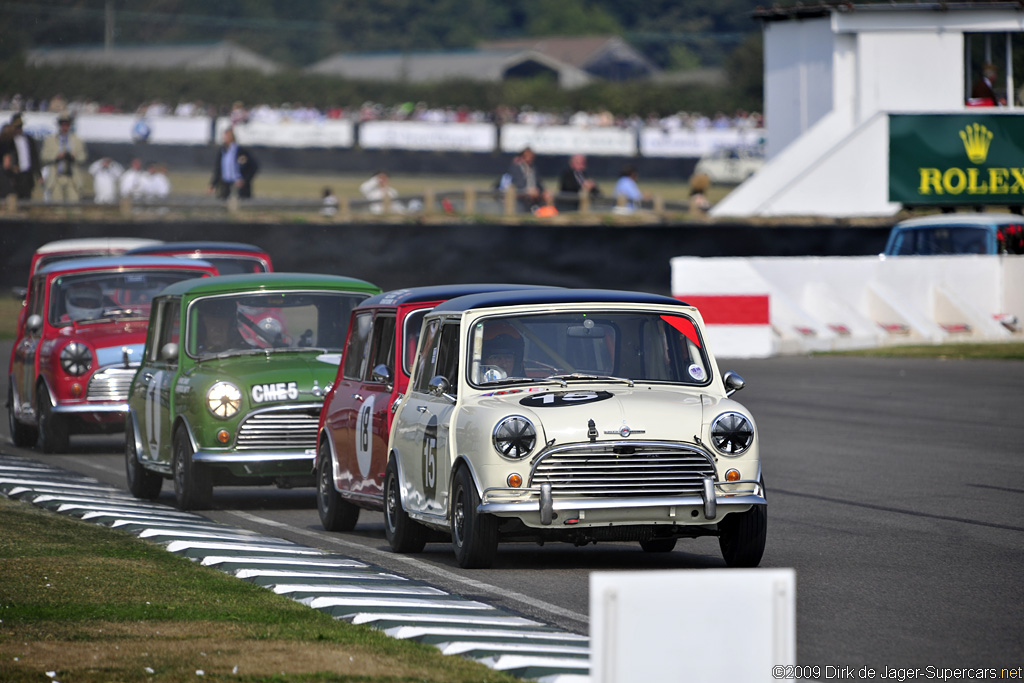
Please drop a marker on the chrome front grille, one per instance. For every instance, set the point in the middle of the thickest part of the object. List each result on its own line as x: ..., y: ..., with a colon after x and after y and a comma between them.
x: 280, y: 429
x: 111, y: 384
x: 625, y: 469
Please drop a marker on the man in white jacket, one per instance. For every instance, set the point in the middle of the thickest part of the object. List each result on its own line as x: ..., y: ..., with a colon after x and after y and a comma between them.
x: 105, y: 173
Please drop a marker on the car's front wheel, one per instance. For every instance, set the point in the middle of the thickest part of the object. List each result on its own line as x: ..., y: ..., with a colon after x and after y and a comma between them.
x: 474, y: 536
x: 404, y: 535
x: 53, y: 428
x: 742, y: 535
x: 336, y: 513
x: 141, y: 482
x: 192, y: 488
x: 22, y: 435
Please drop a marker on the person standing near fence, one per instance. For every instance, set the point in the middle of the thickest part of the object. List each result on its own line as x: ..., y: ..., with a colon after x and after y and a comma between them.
x: 22, y: 159
x: 235, y: 167
x: 64, y: 153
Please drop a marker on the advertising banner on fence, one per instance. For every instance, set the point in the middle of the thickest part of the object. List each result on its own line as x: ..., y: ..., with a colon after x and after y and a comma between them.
x: 684, y: 142
x: 158, y: 130
x: 123, y: 128
x: 418, y: 135
x: 568, y: 140
x: 325, y: 133
x: 956, y: 159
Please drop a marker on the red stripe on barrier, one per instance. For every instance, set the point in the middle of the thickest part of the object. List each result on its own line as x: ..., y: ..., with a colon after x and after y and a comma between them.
x: 742, y: 309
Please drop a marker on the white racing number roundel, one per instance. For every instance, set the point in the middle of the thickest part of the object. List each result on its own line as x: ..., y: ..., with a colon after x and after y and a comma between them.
x: 364, y: 435
x: 557, y: 399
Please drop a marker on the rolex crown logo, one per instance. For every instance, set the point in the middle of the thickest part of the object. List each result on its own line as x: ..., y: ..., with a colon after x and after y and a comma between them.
x: 977, y: 139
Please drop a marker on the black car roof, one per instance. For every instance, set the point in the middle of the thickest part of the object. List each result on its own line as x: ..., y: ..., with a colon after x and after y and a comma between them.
x: 554, y: 296
x: 195, y: 246
x: 412, y: 295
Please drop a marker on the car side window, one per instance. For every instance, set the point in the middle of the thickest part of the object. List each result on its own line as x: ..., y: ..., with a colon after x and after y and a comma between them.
x: 383, y: 344
x: 426, y: 360
x: 448, y: 356
x: 168, y: 330
x: 358, y: 346
x: 36, y: 297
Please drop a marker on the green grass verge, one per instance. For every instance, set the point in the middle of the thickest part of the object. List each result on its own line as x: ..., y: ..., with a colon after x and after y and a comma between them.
x: 96, y: 605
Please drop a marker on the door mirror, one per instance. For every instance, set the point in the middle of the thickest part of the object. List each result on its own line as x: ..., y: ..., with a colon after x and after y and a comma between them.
x: 34, y: 324
x: 439, y: 386
x: 381, y: 375
x: 169, y: 352
x: 733, y: 382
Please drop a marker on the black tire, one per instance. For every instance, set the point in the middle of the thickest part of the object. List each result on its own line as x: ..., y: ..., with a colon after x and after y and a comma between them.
x: 658, y: 545
x: 474, y: 536
x: 404, y: 535
x: 192, y: 487
x: 336, y: 513
x: 53, y: 428
x: 22, y: 435
x: 742, y: 536
x: 141, y: 482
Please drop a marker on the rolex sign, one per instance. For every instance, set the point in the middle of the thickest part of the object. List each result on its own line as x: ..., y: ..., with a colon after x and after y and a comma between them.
x: 956, y: 159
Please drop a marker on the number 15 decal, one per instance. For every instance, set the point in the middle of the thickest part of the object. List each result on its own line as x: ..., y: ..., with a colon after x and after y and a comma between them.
x: 430, y: 458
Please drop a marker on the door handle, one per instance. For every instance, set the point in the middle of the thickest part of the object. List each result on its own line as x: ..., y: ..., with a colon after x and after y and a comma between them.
x: 148, y: 376
x: 358, y: 397
x: 421, y: 409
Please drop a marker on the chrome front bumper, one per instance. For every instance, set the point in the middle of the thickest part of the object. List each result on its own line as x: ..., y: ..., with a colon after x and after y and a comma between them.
x: 85, y: 408
x: 259, y: 463
x: 714, y: 498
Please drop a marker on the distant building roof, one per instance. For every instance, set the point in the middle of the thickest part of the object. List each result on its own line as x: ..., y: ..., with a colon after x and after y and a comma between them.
x: 193, y: 56
x: 608, y: 57
x: 422, y: 67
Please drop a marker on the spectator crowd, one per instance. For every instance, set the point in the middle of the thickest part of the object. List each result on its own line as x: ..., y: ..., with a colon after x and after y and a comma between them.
x: 403, y: 111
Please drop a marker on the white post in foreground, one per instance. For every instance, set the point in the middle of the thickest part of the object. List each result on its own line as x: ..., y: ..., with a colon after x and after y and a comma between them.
x: 692, y: 626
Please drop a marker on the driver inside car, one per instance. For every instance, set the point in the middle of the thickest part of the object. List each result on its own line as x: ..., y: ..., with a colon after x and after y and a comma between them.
x: 502, y: 352
x: 218, y: 327
x: 84, y: 301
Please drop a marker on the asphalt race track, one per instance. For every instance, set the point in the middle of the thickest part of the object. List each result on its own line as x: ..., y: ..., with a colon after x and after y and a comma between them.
x: 895, y: 487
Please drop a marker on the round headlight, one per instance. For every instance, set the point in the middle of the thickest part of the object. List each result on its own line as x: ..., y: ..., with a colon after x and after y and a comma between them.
x: 75, y: 358
x: 514, y: 437
x: 732, y: 433
x: 224, y: 400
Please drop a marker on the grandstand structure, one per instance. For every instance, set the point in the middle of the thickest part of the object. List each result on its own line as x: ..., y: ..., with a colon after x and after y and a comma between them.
x: 866, y: 104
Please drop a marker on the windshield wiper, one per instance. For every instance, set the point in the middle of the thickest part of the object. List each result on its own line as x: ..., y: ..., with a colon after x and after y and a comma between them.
x: 579, y: 376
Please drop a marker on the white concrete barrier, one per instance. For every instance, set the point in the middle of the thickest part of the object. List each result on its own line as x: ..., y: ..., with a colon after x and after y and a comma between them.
x: 700, y: 627
x: 834, y: 303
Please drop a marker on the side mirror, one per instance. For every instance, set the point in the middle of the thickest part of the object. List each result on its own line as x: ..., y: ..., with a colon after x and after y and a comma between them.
x: 381, y: 374
x: 34, y: 324
x: 733, y: 382
x: 169, y: 352
x: 439, y: 386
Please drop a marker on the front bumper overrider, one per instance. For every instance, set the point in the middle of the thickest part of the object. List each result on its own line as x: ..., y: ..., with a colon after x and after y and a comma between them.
x: 716, y: 499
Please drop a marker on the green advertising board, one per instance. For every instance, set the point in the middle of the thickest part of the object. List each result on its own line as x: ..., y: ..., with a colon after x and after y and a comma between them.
x: 956, y: 159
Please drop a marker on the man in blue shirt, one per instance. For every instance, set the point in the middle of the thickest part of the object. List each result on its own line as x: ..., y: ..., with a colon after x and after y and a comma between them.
x: 235, y: 168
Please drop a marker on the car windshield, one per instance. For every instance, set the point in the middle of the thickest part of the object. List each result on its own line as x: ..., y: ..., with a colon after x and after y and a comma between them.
x: 932, y: 241
x: 269, y: 322
x: 98, y: 296
x: 236, y: 265
x: 634, y: 346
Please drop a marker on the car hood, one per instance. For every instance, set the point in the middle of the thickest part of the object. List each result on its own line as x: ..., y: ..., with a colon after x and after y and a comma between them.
x: 644, y: 412
x: 281, y: 377
x: 109, y: 339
